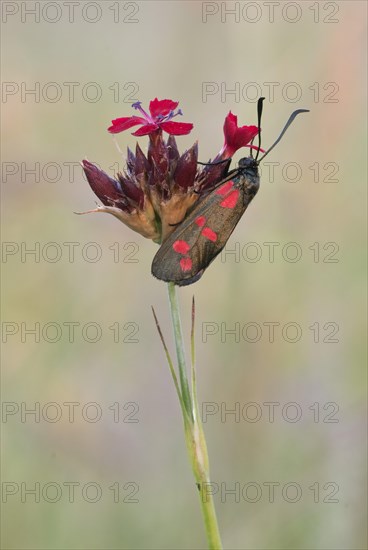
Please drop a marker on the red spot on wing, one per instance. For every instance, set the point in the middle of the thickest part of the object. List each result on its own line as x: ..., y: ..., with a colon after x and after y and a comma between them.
x: 200, y: 221
x: 231, y: 200
x: 181, y: 247
x: 225, y: 188
x: 186, y: 264
x: 209, y: 234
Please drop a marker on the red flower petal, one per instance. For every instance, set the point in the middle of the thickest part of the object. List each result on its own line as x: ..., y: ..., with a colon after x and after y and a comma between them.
x: 162, y: 107
x: 230, y: 126
x: 177, y: 128
x: 124, y: 123
x: 233, y: 133
x: 244, y: 135
x: 236, y: 137
x: 145, y: 130
x: 256, y: 148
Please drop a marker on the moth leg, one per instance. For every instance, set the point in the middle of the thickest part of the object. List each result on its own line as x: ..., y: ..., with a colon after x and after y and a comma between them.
x: 175, y: 224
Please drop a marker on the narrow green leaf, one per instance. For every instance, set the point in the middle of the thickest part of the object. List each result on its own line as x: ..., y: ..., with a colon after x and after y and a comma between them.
x: 170, y: 363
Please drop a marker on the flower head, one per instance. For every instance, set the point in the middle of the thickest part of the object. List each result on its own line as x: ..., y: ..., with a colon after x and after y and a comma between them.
x: 157, y: 189
x: 161, y: 113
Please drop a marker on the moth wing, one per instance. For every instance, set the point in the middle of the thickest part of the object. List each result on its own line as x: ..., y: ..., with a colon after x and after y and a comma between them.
x: 196, y: 242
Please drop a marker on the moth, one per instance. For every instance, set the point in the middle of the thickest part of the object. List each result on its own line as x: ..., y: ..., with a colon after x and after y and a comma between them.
x: 199, y: 238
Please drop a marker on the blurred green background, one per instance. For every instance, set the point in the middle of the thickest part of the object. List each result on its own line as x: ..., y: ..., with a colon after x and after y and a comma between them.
x: 172, y: 49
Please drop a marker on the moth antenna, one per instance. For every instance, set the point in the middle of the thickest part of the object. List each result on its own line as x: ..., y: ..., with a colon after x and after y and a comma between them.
x: 228, y: 177
x: 213, y: 163
x: 230, y: 174
x: 259, y: 116
x: 291, y: 119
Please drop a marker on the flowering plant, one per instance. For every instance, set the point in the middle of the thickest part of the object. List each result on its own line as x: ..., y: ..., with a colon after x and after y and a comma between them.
x: 154, y: 194
x: 156, y: 190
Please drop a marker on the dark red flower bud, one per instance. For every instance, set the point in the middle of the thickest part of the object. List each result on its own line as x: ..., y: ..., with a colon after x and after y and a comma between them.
x: 186, y: 168
x: 124, y: 200
x: 130, y: 160
x: 131, y: 191
x: 141, y: 162
x: 158, y: 155
x: 173, y: 151
x: 107, y: 189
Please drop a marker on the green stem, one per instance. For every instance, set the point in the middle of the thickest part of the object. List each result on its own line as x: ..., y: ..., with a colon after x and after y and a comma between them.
x: 194, y: 435
x: 210, y: 521
x: 197, y: 450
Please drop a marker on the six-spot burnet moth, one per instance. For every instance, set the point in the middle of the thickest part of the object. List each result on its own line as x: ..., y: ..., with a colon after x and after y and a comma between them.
x: 200, y: 237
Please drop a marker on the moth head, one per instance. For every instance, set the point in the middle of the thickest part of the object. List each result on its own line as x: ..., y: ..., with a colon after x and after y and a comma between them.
x: 248, y: 166
x: 248, y: 162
